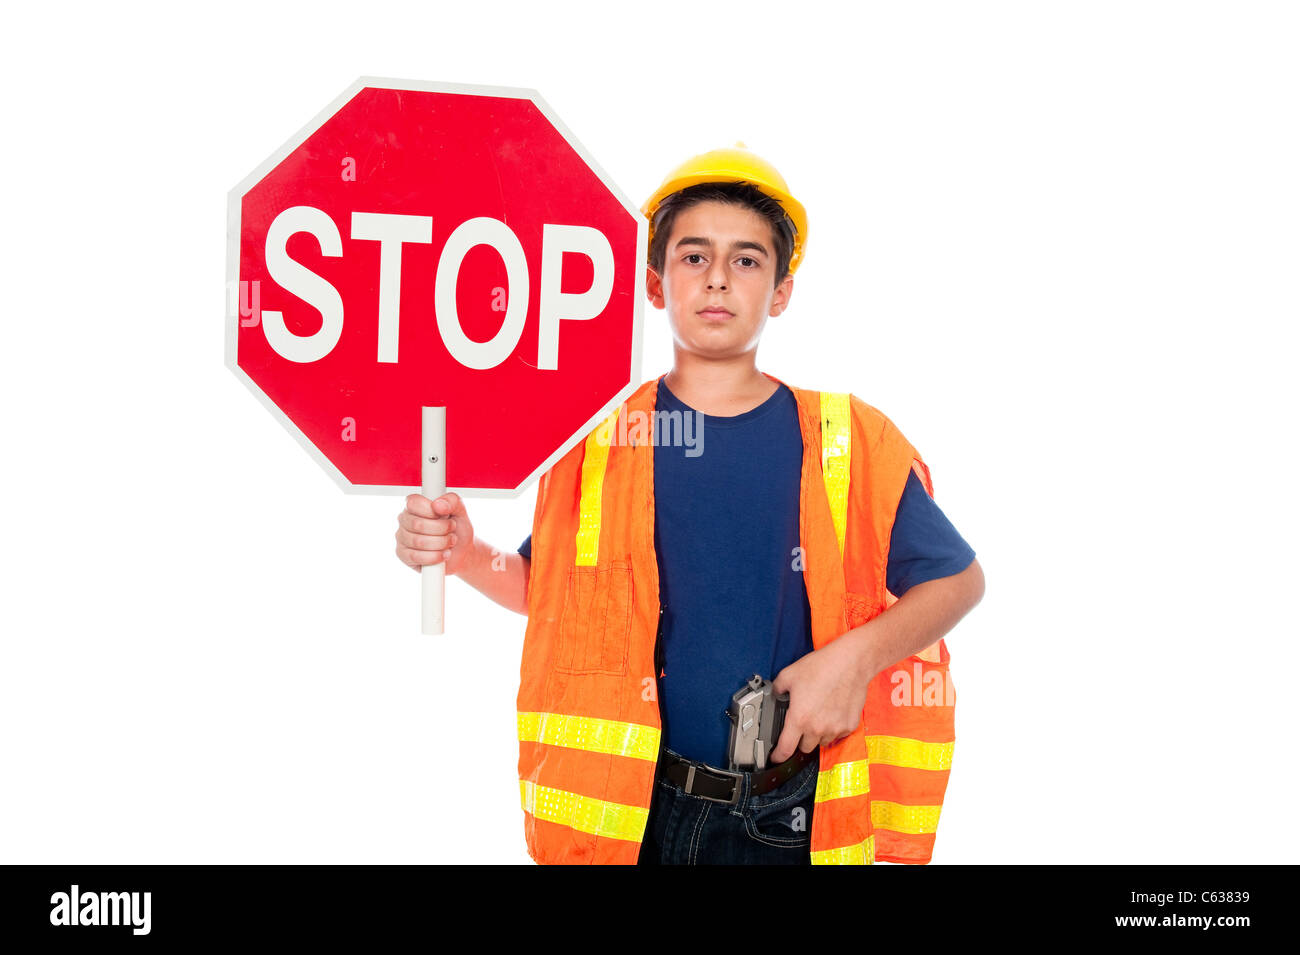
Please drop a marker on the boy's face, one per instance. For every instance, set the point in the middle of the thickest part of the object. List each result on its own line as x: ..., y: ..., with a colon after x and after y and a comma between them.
x: 718, y: 280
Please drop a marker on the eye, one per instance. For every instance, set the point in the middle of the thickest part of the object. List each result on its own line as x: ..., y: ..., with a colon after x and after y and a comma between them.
x: 693, y: 255
x: 751, y: 261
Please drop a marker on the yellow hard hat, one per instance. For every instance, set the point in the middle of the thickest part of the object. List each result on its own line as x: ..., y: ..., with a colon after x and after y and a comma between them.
x: 731, y: 165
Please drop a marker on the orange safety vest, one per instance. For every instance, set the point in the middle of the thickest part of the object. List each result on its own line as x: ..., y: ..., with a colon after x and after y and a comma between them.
x: 589, y: 723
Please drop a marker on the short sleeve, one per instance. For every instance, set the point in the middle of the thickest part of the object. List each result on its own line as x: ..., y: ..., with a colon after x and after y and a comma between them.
x: 526, y: 548
x: 923, y: 544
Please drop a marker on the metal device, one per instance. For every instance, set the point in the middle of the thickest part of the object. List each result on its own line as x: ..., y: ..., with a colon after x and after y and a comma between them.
x: 757, y: 715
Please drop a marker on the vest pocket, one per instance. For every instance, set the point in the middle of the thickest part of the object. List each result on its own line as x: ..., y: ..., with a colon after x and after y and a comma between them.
x: 596, y: 623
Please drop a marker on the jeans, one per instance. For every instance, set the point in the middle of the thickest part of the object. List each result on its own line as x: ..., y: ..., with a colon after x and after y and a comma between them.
x: 774, y: 828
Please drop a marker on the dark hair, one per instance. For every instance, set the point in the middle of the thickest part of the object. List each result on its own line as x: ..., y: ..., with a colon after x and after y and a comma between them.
x: 732, y: 193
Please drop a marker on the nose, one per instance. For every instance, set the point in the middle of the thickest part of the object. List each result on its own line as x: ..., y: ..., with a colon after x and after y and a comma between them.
x: 717, y: 277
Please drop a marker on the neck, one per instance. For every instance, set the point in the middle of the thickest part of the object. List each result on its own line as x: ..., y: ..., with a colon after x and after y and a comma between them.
x: 723, y: 388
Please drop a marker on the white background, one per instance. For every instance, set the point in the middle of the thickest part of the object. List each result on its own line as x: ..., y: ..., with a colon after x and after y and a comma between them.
x: 1056, y: 243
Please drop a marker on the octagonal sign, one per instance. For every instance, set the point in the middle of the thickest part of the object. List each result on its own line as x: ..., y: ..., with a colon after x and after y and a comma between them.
x: 432, y: 245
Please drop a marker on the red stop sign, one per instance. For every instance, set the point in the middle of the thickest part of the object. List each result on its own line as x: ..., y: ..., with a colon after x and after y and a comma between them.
x: 423, y: 244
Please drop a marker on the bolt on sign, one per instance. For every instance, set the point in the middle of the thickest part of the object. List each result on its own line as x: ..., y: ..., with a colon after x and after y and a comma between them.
x: 433, y: 287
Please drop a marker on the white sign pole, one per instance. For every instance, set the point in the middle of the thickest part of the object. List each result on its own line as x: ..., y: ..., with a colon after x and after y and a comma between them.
x: 433, y: 484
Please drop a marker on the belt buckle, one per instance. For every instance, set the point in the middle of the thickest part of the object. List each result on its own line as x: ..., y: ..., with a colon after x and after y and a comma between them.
x: 735, y: 789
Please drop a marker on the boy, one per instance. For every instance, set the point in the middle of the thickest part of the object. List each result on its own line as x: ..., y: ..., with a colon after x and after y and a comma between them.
x: 657, y: 581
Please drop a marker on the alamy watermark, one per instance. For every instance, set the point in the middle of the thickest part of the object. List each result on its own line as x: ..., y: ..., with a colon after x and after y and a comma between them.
x: 675, y: 429
x: 922, y: 688
x: 102, y: 908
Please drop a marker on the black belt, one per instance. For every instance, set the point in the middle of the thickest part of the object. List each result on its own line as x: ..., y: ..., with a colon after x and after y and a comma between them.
x: 723, y: 785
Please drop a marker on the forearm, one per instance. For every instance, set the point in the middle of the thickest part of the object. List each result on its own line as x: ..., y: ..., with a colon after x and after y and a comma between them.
x: 500, y: 576
x: 829, y: 686
x: 916, y: 621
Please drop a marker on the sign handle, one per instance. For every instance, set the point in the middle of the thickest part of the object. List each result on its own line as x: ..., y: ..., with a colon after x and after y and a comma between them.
x: 433, y: 484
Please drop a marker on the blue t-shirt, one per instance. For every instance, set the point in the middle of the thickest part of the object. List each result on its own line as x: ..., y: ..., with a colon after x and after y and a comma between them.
x: 726, y: 538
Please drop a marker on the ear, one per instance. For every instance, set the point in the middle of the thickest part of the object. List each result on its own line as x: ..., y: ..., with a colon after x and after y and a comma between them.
x: 781, y: 297
x: 654, y: 287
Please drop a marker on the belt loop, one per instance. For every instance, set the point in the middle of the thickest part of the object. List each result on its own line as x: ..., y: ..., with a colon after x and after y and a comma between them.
x: 690, y: 776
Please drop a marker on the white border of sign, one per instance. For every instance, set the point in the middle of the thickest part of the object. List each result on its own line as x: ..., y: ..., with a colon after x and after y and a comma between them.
x: 233, y: 226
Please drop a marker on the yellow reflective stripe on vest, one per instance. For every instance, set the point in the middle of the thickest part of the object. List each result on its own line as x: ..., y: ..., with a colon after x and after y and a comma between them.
x: 612, y: 820
x: 899, y: 818
x: 843, y: 779
x: 909, y: 753
x: 594, y: 458
x: 863, y: 853
x: 836, y: 432
x: 635, y: 740
x: 853, y: 778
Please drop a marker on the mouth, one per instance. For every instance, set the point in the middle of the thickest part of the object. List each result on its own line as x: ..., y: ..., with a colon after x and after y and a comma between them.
x: 715, y: 313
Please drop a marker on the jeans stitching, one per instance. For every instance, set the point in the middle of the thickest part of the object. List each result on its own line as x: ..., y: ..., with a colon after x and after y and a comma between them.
x: 782, y: 842
x: 699, y: 824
